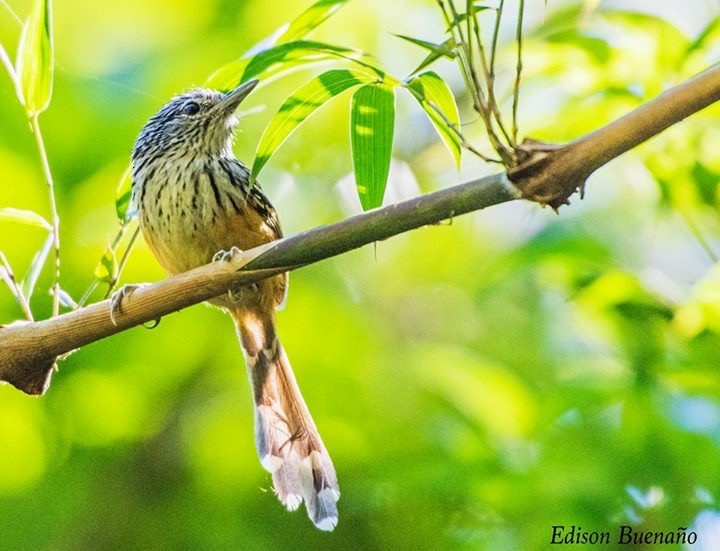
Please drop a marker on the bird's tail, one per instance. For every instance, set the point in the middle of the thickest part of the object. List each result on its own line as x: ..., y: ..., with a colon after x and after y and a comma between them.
x: 286, y: 438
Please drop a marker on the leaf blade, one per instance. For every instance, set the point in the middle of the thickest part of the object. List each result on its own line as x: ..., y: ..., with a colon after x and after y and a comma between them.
x: 22, y: 216
x: 123, y: 195
x: 277, y: 60
x: 106, y: 270
x: 435, y: 97
x: 372, y: 123
x: 311, y: 18
x: 29, y: 281
x: 35, y: 59
x: 303, y: 103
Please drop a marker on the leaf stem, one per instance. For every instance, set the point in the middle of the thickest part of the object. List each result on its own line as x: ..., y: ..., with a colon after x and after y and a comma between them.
x: 123, y: 261
x: 518, y: 71
x: 7, y: 275
x: 11, y: 12
x: 55, y: 218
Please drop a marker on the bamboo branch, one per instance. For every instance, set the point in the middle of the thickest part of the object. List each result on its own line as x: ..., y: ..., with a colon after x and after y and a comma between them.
x: 548, y: 174
x: 28, y: 351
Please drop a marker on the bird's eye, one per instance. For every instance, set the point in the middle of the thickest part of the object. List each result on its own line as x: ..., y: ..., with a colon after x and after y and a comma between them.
x: 191, y: 108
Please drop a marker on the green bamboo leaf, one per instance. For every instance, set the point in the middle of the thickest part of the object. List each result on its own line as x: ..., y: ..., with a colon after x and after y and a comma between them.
x: 35, y: 63
x: 310, y: 19
x: 27, y: 217
x: 30, y: 279
x: 438, y: 102
x: 461, y: 17
x: 122, y: 196
x: 107, y: 267
x: 443, y: 49
x: 276, y: 61
x: 372, y: 124
x: 302, y: 104
x: 437, y: 51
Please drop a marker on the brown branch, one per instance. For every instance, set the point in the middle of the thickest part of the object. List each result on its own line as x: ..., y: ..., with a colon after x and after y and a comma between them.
x: 28, y: 351
x: 547, y: 173
x: 550, y: 174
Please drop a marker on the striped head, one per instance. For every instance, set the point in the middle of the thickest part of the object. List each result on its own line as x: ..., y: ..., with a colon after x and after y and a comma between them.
x: 199, y: 122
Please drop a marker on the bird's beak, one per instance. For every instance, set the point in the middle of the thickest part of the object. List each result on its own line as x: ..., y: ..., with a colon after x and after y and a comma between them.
x: 234, y: 97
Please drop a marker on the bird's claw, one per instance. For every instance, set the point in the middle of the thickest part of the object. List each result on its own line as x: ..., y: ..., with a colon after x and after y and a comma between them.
x: 227, y: 256
x: 118, y: 296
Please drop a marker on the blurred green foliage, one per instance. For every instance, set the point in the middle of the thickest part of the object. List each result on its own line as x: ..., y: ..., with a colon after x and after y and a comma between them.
x: 476, y: 382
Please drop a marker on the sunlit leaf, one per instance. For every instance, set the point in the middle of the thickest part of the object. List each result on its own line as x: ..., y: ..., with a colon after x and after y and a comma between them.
x: 122, y: 197
x: 301, y: 105
x: 276, y: 61
x: 707, y: 35
x: 30, y: 279
x: 310, y: 19
x: 35, y: 64
x: 5, y: 60
x: 27, y: 217
x: 597, y: 48
x: 372, y: 123
x: 436, y: 98
x: 107, y: 268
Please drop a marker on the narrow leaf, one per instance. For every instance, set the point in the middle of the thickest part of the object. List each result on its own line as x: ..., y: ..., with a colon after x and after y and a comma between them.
x: 372, y: 124
x: 35, y: 63
x: 301, y: 105
x: 438, y: 102
x: 30, y: 279
x: 461, y: 17
x: 276, y: 61
x: 443, y: 49
x: 27, y: 217
x: 122, y: 197
x: 107, y: 268
x: 437, y: 51
x: 310, y: 19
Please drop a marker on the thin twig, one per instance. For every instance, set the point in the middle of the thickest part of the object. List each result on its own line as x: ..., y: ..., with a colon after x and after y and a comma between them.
x: 116, y: 241
x: 518, y: 71
x: 480, y: 99
x: 123, y: 261
x: 496, y: 34
x: 463, y: 141
x: 7, y: 275
x: 34, y: 123
x: 492, y: 104
x: 483, y: 102
x: 11, y: 12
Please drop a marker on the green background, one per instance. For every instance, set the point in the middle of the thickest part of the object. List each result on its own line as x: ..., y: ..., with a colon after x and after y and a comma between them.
x: 476, y: 382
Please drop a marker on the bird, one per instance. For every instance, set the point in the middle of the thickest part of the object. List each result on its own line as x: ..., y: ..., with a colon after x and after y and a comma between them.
x: 196, y: 202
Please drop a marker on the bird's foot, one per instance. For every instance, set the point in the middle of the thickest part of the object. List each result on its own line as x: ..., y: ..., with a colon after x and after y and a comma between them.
x: 227, y: 256
x: 118, y: 296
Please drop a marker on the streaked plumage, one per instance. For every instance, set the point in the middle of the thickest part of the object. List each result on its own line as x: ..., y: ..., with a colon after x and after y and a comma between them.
x: 194, y: 199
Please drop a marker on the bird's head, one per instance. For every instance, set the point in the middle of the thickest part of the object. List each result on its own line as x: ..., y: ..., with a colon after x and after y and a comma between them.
x: 198, y: 122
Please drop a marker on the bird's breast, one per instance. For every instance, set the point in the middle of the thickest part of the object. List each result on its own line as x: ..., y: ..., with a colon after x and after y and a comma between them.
x: 190, y: 211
